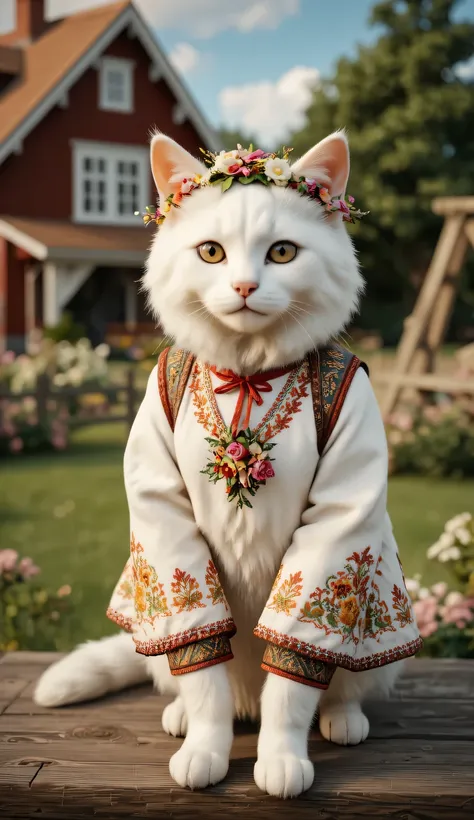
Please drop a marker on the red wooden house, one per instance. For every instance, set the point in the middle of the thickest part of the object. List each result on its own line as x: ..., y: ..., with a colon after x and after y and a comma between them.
x: 78, y: 98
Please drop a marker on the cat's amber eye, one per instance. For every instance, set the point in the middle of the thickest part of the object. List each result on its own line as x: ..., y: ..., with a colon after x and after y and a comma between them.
x: 282, y: 252
x: 211, y: 252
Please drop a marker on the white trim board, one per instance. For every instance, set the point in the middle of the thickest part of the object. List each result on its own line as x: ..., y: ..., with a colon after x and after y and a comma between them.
x: 129, y: 16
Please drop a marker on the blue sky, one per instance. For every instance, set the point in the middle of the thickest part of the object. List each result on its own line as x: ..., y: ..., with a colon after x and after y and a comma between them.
x: 251, y: 62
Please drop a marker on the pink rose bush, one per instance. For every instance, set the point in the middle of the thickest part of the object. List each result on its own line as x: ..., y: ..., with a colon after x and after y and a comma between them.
x: 29, y: 614
x: 243, y: 462
x: 444, y: 613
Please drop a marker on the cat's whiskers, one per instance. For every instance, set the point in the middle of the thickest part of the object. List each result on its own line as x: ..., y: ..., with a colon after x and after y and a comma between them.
x: 288, y: 311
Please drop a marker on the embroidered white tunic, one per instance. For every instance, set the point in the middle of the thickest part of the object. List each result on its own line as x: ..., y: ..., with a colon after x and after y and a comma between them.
x: 339, y: 593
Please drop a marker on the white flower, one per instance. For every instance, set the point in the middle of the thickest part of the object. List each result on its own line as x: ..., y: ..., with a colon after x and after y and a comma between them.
x: 60, y: 379
x: 413, y: 586
x: 463, y: 535
x: 435, y: 550
x: 424, y: 593
x: 103, y: 350
x: 450, y: 554
x: 439, y: 589
x: 458, y: 521
x: 278, y: 170
x: 225, y: 159
x: 454, y: 598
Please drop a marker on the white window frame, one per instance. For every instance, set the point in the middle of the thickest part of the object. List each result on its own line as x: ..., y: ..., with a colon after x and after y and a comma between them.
x: 113, y: 153
x: 125, y: 68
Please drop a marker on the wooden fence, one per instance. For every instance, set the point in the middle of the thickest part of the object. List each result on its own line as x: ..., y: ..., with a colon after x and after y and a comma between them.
x: 126, y: 395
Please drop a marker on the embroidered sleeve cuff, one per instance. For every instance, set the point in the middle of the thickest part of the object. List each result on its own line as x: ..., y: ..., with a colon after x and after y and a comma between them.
x: 200, y: 654
x: 290, y: 664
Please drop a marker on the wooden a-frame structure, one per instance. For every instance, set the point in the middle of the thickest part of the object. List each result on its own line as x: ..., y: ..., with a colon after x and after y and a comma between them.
x: 425, y: 329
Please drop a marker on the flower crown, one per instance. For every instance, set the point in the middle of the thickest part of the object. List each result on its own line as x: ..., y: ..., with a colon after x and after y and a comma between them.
x: 244, y: 165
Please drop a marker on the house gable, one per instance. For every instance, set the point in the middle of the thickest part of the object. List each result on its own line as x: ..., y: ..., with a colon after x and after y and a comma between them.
x: 37, y: 181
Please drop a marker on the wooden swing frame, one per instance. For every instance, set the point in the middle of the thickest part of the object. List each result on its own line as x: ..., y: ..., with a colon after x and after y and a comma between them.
x: 426, y: 327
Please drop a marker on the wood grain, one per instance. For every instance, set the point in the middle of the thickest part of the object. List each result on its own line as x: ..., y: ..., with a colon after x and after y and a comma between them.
x: 109, y: 758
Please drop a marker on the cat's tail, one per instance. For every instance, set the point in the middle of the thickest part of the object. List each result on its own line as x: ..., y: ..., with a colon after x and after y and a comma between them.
x: 92, y: 670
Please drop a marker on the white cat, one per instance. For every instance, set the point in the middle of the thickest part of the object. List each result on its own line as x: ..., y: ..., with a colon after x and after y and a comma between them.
x: 288, y: 311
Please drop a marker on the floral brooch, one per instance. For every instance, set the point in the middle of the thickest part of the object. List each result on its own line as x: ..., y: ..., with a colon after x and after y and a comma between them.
x: 243, y: 462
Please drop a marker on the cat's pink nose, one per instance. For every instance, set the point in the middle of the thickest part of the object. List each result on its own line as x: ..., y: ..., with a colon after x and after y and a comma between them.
x: 244, y: 289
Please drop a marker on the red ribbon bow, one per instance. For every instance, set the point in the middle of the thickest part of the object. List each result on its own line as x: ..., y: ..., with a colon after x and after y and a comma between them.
x: 251, y: 386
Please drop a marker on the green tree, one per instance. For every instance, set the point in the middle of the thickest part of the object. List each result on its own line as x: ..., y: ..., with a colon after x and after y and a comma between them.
x: 410, y: 120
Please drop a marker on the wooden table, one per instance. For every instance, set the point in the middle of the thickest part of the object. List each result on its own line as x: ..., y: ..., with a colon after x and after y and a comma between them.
x: 109, y: 759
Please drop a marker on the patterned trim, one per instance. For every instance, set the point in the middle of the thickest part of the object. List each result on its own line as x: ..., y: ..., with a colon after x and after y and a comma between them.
x: 121, y: 620
x: 316, y: 394
x: 162, y: 385
x: 290, y: 664
x: 174, y: 367
x: 198, y: 655
x: 159, y: 646
x: 337, y: 368
x: 354, y: 664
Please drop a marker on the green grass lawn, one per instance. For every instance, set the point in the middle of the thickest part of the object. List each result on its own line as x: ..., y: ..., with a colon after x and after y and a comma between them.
x: 68, y: 512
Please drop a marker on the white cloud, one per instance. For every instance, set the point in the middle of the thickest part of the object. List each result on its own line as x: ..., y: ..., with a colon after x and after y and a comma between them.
x: 465, y: 70
x: 200, y: 18
x: 185, y: 58
x: 270, y: 110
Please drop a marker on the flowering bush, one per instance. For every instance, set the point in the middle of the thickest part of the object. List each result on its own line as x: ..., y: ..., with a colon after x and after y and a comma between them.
x: 445, y: 616
x: 437, y: 440
x: 29, y: 614
x: 65, y: 365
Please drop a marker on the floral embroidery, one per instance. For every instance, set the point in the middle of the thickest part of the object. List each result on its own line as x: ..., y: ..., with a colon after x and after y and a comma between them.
x: 377, y: 616
x: 203, y: 409
x: 214, y: 586
x: 401, y: 604
x: 149, y: 595
x: 287, y: 405
x: 337, y: 608
x: 187, y: 595
x: 286, y: 593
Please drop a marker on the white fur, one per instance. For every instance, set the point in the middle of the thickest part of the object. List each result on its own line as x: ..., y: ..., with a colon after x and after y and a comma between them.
x: 301, y: 305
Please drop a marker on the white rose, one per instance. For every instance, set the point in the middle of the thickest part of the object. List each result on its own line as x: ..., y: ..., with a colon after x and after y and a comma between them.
x: 424, y: 593
x: 278, y: 170
x: 454, y: 598
x: 413, y: 586
x: 225, y: 159
x: 103, y: 350
x: 458, y: 521
x: 440, y: 589
x: 463, y: 535
x: 435, y: 550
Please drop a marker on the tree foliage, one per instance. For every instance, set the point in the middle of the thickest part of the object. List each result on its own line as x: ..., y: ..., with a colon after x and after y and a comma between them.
x: 410, y: 120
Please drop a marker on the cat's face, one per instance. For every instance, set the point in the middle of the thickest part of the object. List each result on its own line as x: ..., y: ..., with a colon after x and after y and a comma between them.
x: 253, y: 277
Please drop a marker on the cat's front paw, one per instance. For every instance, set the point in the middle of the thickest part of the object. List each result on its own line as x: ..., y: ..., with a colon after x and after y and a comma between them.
x: 174, y: 719
x: 198, y: 768
x: 283, y: 775
x: 344, y: 723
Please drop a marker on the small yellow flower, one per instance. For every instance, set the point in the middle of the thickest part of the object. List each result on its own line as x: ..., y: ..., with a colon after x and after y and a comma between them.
x: 167, y: 208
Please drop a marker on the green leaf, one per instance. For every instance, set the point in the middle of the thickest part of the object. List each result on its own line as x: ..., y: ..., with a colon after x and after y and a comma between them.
x: 227, y: 183
x: 246, y: 180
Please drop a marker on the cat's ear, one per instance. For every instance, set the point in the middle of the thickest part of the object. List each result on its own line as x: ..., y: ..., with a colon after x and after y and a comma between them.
x: 170, y: 164
x: 327, y: 162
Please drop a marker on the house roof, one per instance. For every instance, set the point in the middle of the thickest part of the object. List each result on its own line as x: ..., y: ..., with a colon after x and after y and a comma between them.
x: 69, y: 242
x: 54, y: 62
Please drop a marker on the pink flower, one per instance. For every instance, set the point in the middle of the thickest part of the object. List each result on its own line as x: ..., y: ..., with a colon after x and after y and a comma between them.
x: 351, y: 199
x: 59, y: 442
x: 459, y: 613
x: 262, y: 470
x: 237, y: 451
x: 8, y: 357
x: 403, y: 421
x: 341, y: 206
x: 246, y: 171
x: 425, y: 613
x: 8, y: 559
x: 324, y: 195
x: 258, y: 154
x: 27, y: 568
x: 63, y: 591
x: 234, y: 169
x: 16, y: 444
